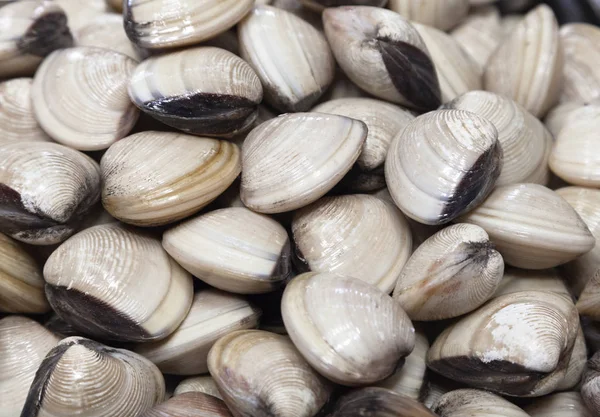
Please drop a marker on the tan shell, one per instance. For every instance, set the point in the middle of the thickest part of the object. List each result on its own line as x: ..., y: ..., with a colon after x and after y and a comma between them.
x: 577, y: 363
x: 80, y: 13
x: 441, y: 14
x: 589, y: 300
x: 320, y: 5
x: 143, y: 185
x: 203, y: 384
x: 515, y: 280
x: 106, y: 31
x: 190, y: 404
x: 379, y: 402
x: 475, y: 403
x: 528, y: 64
x: 562, y: 404
x: 582, y: 62
x: 590, y: 386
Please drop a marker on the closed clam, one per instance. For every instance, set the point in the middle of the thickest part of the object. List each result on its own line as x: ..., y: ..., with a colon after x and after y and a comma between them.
x: 154, y: 178
x: 83, y: 377
x: 383, y: 54
x: 203, y: 384
x: 590, y: 385
x: 515, y: 280
x: 562, y: 404
x: 441, y: 14
x: 190, y: 404
x: 451, y: 273
x: 333, y: 234
x: 560, y: 114
x: 582, y: 62
x: 475, y: 403
x: 378, y: 402
x: 80, y: 13
x: 532, y: 226
x: 588, y: 303
x: 261, y: 374
x: 443, y: 164
x: 118, y: 284
x: 17, y: 121
x: 293, y: 160
x: 106, y: 31
x: 577, y: 363
x: 320, y: 5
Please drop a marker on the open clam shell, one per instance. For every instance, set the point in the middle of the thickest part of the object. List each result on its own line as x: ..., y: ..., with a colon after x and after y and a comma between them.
x: 190, y: 404
x: 378, y: 402
x: 106, y: 31
x: 562, y: 404
x: 203, y: 384
x: 440, y: 14
x: 590, y: 385
x: 118, y: 284
x: 582, y: 62
x: 515, y: 280
x: 475, y: 403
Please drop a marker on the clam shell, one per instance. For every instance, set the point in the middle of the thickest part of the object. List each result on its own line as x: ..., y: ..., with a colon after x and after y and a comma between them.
x: 45, y: 190
x: 559, y: 115
x: 562, y: 404
x: 451, y: 273
x: 590, y: 386
x: 441, y: 14
x: 589, y: 300
x: 335, y: 233
x: 383, y: 54
x: 261, y: 374
x: 475, y: 403
x: 118, y: 284
x: 378, y: 402
x: 516, y: 280
x: 342, y: 88
x: 83, y: 377
x: 582, y: 62
x: 510, y: 22
x: 436, y: 386
x: 528, y: 64
x: 443, y: 164
x: 203, y: 384
x: 204, y: 91
x: 576, y: 365
x: 155, y: 178
x: 191, y: 404
x: 80, y: 13
x: 285, y: 168
x: 106, y: 31
x: 320, y: 5
x: 532, y: 226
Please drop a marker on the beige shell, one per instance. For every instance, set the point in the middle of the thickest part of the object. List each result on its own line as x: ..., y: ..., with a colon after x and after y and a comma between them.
x: 560, y: 114
x: 590, y: 385
x: 517, y: 344
x: 577, y: 363
x: 335, y: 233
x: 118, y: 284
x: 515, y: 280
x: 94, y: 110
x: 81, y: 13
x: 143, y: 186
x: 45, y: 190
x: 203, y: 384
x: 441, y: 14
x: 320, y: 5
x: 106, y: 31
x: 23, y: 346
x: 562, y: 404
x: 291, y: 57
x: 343, y: 88
x: 451, y: 273
x: 191, y: 404
x: 475, y: 403
x: 582, y: 62
x: 532, y: 226
x: 528, y: 64
x: 296, y: 7
x: 261, y: 374
x: 81, y: 377
x: 378, y: 402
x: 293, y: 160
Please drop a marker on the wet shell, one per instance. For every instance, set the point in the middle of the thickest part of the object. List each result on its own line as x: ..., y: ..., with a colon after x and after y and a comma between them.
x: 475, y: 403
x: 576, y: 365
x: 118, y: 284
x: 291, y: 57
x: 441, y: 14
x: 83, y: 377
x: 383, y: 54
x: 335, y: 233
x: 143, y: 185
x: 528, y: 64
x: 378, y: 402
x: 261, y: 374
x: 94, y: 110
x: 81, y: 13
x: 45, y: 190
x: 532, y: 226
x: 23, y: 346
x: 204, y: 91
x: 443, y: 164
x: 582, y: 62
x: 191, y: 404
x: 515, y: 280
x: 590, y: 386
x: 562, y: 404
x: 451, y: 273
x: 106, y: 31
x: 293, y: 160
x: 203, y: 384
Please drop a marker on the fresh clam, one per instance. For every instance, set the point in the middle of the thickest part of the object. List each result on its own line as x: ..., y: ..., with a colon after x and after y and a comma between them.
x: 560, y: 114
x: 261, y: 374
x: 203, y: 384
x: 443, y: 164
x: 17, y: 121
x: 379, y: 402
x: 45, y: 190
x: 475, y: 403
x: 562, y: 404
x: 80, y: 13
x: 590, y: 385
x: 383, y: 54
x: 515, y: 280
x: 155, y: 178
x: 106, y: 31
x: 577, y: 363
x: 451, y: 273
x: 441, y: 14
x: 204, y: 91
x: 582, y: 62
x: 83, y: 377
x: 588, y: 303
x: 190, y: 404
x: 293, y: 160
x: 320, y: 5
x: 118, y: 284
x: 335, y: 233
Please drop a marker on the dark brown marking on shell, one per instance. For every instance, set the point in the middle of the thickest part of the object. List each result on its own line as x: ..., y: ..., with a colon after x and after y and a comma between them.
x: 379, y: 402
x: 283, y: 268
x: 336, y: 3
x: 359, y: 181
x: 481, y: 252
x: 47, y: 34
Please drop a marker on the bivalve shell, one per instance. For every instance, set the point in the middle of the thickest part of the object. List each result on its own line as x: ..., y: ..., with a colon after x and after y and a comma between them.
x: 560, y: 114
x: 81, y: 13
x: 475, y: 403
x: 106, y: 31
x: 516, y: 280
x: 378, y: 402
x: 590, y: 385
x: 588, y: 303
x: 577, y: 363
x: 190, y: 404
x: 582, y: 62
x: 562, y: 404
x: 203, y: 384
x: 441, y: 14
x: 320, y: 5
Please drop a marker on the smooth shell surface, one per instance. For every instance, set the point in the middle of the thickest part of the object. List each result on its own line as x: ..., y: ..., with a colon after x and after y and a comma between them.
x: 191, y: 404
x: 582, y: 62
x: 441, y: 14
x: 577, y: 363
x: 81, y: 13
x: 379, y: 402
x: 475, y: 403
x: 590, y: 385
x: 562, y: 404
x: 515, y: 280
x: 106, y: 31
x: 204, y: 384
x: 480, y: 34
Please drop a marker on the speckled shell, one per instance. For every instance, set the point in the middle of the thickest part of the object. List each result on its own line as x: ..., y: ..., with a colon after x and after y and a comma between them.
x: 562, y: 404
x: 441, y: 14
x: 590, y: 385
x: 378, y: 402
x: 515, y: 280
x: 106, y: 31
x: 191, y: 404
x: 480, y: 34
x: 475, y: 403
x: 203, y: 384
x: 582, y: 62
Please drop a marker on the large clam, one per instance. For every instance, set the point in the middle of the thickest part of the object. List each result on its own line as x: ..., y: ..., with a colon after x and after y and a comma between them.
x: 562, y: 404
x: 17, y: 121
x: 441, y: 14
x: 475, y: 403
x: 190, y: 404
x: 378, y: 402
x: 582, y: 62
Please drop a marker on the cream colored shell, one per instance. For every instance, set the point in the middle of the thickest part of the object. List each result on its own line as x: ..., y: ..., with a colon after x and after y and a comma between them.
x: 191, y: 404
x: 441, y: 14
x: 576, y: 365
x: 106, y: 31
x: 562, y: 404
x: 516, y: 280
x: 375, y: 401
x: 582, y: 62
x: 80, y: 13
x: 204, y: 384
x: 475, y: 403
x: 588, y: 303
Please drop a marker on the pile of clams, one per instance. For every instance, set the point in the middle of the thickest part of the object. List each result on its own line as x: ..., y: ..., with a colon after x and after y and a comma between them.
x: 300, y: 208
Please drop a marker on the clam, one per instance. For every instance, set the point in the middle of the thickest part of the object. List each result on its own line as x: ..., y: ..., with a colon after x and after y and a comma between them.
x: 562, y: 404
x: 293, y: 160
x: 475, y: 403
x: 335, y: 233
x: 83, y: 377
x: 582, y: 60
x: 320, y: 5
x: 577, y: 363
x: 532, y: 226
x: 441, y: 14
x: 31, y: 30
x: 443, y: 164
x: 517, y: 344
x: 154, y: 178
x: 190, y: 404
x: 589, y: 300
x: 261, y: 374
x: 343, y: 88
x: 559, y: 115
x: 528, y: 64
x: 203, y: 384
x: 383, y: 54
x: 451, y: 273
x: 23, y: 346
x: 80, y: 13
x: 590, y: 386
x: 515, y: 280
x: 510, y: 22
x: 159, y: 24
x: 291, y: 57
x: 118, y: 284
x: 435, y: 387
x: 378, y: 402
x: 106, y: 31
x: 45, y: 190
x: 204, y: 91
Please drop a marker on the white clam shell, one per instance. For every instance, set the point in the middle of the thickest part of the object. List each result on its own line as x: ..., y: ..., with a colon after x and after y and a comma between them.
x: 560, y: 114
x: 475, y: 403
x: 582, y: 60
x: 562, y: 404
x: 441, y: 14
x: 191, y: 404
x: 106, y: 31
x: 320, y: 5
x: 590, y: 385
x: 82, y: 12
x: 515, y: 280
x: 204, y: 384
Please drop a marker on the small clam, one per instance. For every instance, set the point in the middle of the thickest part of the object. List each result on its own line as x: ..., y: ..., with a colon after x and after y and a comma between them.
x: 204, y: 91
x: 582, y: 62
x: 577, y: 363
x: 383, y: 54
x: 532, y: 226
x: 528, y: 64
x: 203, y: 384
x: 261, y: 374
x: 190, y: 404
x: 441, y: 14
x: 293, y: 160
x: 320, y: 5
x: 155, y: 178
x: 562, y: 404
x: 475, y: 403
x: 158, y: 24
x: 442, y: 165
x: 590, y: 385
x: 451, y: 273
x: 335, y: 233
x: 45, y: 190
x: 515, y: 280
x: 82, y: 377
x: 379, y: 402
x: 118, y: 284
x: 80, y: 13
x: 106, y: 31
